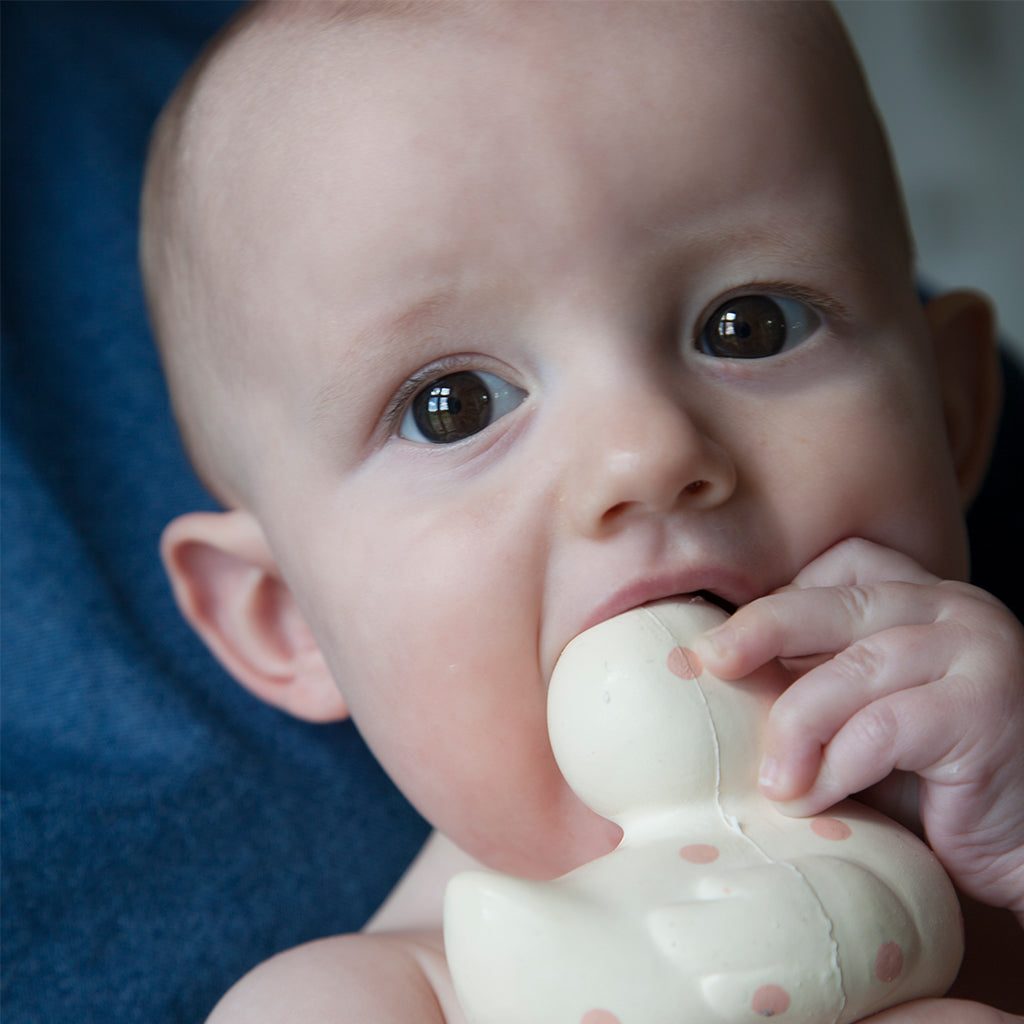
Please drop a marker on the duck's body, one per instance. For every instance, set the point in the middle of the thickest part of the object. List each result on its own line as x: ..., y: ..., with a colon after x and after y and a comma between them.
x: 715, y: 906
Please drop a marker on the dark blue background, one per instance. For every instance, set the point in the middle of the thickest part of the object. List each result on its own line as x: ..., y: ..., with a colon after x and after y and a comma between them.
x: 162, y: 831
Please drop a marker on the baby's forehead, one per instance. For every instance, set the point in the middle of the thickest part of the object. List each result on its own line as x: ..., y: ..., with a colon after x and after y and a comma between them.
x: 283, y: 48
x: 316, y: 131
x: 302, y: 83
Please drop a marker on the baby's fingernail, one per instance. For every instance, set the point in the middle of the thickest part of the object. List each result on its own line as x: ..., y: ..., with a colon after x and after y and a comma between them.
x: 769, y: 773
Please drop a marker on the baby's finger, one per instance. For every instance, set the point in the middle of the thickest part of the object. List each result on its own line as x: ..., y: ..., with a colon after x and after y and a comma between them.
x: 810, y: 713
x: 801, y: 623
x: 942, y: 1011
x: 855, y: 562
x: 910, y: 730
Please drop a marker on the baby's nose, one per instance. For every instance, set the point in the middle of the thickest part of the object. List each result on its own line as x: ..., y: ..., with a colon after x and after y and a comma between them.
x: 638, y: 451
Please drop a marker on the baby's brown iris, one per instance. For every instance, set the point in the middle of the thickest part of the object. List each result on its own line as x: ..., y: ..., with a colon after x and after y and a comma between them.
x: 748, y: 327
x: 453, y: 408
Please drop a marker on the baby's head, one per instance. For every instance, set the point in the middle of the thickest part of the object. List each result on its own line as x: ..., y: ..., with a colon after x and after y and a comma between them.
x: 489, y: 321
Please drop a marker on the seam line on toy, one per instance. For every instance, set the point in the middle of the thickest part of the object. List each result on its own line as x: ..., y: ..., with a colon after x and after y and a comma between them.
x: 832, y: 936
x: 734, y: 825
x: 664, y: 628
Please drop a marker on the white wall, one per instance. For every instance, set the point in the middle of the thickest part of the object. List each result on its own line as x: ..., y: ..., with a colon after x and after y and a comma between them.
x: 949, y: 80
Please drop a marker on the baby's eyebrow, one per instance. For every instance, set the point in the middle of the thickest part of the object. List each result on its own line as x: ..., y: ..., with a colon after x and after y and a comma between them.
x: 372, y: 350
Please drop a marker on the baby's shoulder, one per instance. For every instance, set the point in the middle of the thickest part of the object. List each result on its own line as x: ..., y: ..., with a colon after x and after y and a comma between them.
x: 394, y: 970
x: 348, y: 979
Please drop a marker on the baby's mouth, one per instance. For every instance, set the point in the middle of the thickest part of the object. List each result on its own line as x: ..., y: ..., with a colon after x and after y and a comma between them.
x: 659, y: 591
x: 719, y: 602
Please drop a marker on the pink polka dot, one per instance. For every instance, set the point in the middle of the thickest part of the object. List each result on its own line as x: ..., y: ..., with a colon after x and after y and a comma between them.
x: 699, y: 853
x: 599, y: 1017
x: 830, y: 828
x: 769, y: 1000
x: 889, y: 962
x: 684, y: 663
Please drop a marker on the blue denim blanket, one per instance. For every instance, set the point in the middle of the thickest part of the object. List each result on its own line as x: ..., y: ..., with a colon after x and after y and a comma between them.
x: 162, y: 831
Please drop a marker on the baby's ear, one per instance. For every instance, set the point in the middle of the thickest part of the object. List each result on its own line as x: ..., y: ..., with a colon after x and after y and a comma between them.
x: 962, y: 326
x: 227, y: 586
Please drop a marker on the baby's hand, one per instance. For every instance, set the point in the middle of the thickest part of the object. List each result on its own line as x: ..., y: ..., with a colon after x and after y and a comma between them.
x: 942, y: 1011
x: 908, y: 672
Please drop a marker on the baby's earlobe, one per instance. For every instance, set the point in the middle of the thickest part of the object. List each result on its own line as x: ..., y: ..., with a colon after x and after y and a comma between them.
x: 228, y: 587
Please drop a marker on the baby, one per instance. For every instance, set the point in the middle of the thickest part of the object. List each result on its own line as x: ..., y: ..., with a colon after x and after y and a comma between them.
x: 489, y: 321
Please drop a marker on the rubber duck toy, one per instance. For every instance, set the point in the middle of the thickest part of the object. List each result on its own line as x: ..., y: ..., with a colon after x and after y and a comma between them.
x: 715, y: 907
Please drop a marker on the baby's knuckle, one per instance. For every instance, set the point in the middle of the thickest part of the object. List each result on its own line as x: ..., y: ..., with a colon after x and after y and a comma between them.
x: 861, y: 663
x: 858, y: 602
x: 876, y: 729
x: 856, y: 549
x: 976, y: 609
x: 958, y: 590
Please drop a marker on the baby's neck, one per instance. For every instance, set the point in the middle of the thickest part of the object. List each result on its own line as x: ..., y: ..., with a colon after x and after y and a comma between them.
x: 416, y: 903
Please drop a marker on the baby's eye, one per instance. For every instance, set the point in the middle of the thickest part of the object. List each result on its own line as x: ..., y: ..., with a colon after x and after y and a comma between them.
x: 756, y: 326
x: 457, y: 406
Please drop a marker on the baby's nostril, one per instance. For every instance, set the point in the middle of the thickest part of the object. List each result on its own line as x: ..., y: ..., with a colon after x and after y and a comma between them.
x: 695, y: 487
x: 616, y: 511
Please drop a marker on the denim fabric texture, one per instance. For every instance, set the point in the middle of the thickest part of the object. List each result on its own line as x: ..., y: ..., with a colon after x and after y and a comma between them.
x: 162, y: 831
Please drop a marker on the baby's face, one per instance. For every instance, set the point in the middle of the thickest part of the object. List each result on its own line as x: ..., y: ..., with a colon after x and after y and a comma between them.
x: 550, y: 321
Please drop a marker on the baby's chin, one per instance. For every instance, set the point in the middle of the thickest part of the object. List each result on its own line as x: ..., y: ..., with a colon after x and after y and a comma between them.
x: 571, y: 838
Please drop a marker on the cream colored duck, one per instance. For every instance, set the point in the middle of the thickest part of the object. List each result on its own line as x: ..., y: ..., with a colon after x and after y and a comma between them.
x: 715, y: 906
